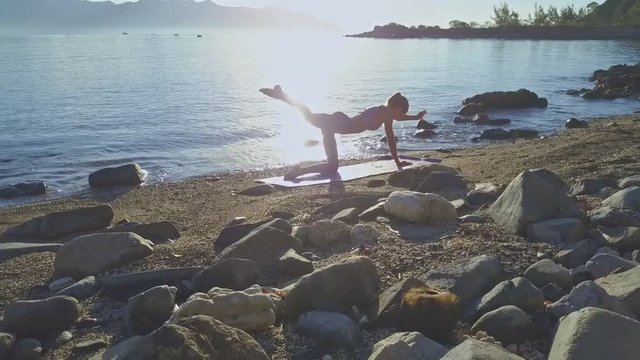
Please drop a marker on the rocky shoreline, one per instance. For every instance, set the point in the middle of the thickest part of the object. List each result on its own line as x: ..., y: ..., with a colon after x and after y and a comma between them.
x: 480, y: 254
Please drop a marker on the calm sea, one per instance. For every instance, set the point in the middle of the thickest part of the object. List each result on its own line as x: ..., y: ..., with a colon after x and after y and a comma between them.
x: 183, y: 106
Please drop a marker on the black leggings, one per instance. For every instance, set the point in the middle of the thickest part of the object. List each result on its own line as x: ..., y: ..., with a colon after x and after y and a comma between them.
x: 330, y: 124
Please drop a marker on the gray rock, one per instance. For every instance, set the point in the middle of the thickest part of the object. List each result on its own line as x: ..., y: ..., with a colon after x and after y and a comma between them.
x: 495, y: 134
x: 293, y: 264
x: 122, y: 287
x: 261, y: 245
x: 125, y: 175
x: 6, y: 344
x: 234, y: 274
x: 507, y: 324
x: 574, y: 123
x: 420, y: 208
x: 622, y: 238
x: 556, y: 231
x: 466, y: 278
x: 472, y: 349
x: 591, y: 186
x: 518, y: 292
x: 364, y: 234
x: 157, y: 232
x: 635, y: 256
x: 61, y: 283
x: 388, y: 312
x: 282, y: 214
x: 440, y: 180
x: 472, y: 219
x: 546, y: 271
x: 475, y: 199
x: 606, y: 250
x: 588, y: 294
x: 577, y: 255
x: 472, y: 109
x: 23, y: 189
x: 332, y: 330
x: 27, y: 349
x: 551, y: 178
x: 602, y: 265
x: 25, y: 317
x: 324, y: 234
x: 552, y: 292
x: 373, y: 212
x: 580, y: 274
x: 533, y: 196
x: 629, y: 182
x: 412, y: 177
x: 80, y: 290
x: 407, y: 346
x: 258, y: 190
x: 96, y: 253
x: 425, y: 125
x: 624, y: 286
x: 614, y: 217
x: 9, y: 250
x: 301, y: 233
x: 360, y: 203
x: 518, y: 133
x: 424, y: 134
x: 628, y: 198
x: 337, y: 288
x: 62, y: 223
x: 347, y: 216
x: 147, y: 311
x: 231, y: 234
x: 123, y: 350
x: 587, y: 335
x: 89, y: 346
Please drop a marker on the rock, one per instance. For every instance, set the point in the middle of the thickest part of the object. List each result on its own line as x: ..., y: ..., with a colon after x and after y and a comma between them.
x: 6, y: 344
x: 122, y: 287
x: 23, y: 189
x: 472, y: 349
x: 519, y: 99
x: 485, y: 120
x: 62, y: 223
x: 96, y: 253
x: 480, y: 118
x: 282, y: 214
x: 231, y: 234
x: 335, y: 288
x: 602, y: 265
x: 475, y: 199
x: 424, y: 134
x: 9, y: 250
x: 425, y: 125
x: 588, y: 294
x: 25, y: 317
x: 124, y: 350
x: 518, y: 292
x: 347, y: 216
x: 440, y: 180
x: 577, y: 255
x: 89, y: 346
x: 125, y: 175
x: 235, y: 274
x: 546, y: 271
x: 420, y: 208
x: 580, y: 274
x: 574, y: 123
x: 468, y: 278
x: 591, y: 186
x: 364, y: 234
x: 618, y: 81
x: 471, y: 109
x: 586, y: 335
x: 27, y: 349
x: 508, y: 324
x: 332, y: 330
x: 80, y: 290
x: 614, y: 217
x: 628, y: 198
x: 361, y: 203
x: 622, y: 238
x: 157, y: 232
x: 629, y: 182
x: 324, y: 234
x: 552, y: 292
x: 556, y: 231
x: 147, y: 311
x: 433, y: 313
x: 61, y: 283
x: 376, y: 183
x: 532, y: 198
x: 624, y: 286
x: 407, y: 346
x: 373, y: 212
x: 495, y: 134
x: 261, y: 245
x: 258, y: 190
x: 461, y: 120
x: 301, y: 233
x: 551, y: 178
x: 521, y: 133
x: 248, y: 310
x: 412, y: 177
x: 294, y: 265
x: 388, y: 312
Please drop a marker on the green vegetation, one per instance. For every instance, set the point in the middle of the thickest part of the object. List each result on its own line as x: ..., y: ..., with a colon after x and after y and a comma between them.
x: 615, y: 12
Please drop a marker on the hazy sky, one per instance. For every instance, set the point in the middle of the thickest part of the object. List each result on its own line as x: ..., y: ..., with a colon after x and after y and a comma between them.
x: 355, y: 15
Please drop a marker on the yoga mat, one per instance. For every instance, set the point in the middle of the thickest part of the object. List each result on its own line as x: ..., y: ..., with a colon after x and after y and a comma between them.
x: 347, y: 173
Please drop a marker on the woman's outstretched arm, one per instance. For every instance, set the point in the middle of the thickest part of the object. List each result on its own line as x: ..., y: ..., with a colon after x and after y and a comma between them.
x: 419, y: 116
x: 391, y: 141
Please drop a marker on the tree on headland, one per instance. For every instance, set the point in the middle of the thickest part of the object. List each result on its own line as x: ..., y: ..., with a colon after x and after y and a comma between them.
x: 457, y: 24
x: 504, y: 16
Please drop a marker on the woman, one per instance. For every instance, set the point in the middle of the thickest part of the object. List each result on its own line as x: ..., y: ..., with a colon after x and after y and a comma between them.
x: 372, y: 118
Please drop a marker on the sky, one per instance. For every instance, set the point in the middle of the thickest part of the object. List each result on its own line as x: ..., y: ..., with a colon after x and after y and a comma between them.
x: 361, y: 15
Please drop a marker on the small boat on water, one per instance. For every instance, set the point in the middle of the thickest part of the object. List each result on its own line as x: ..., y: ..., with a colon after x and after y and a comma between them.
x: 199, y: 35
x: 175, y: 34
x: 125, y: 33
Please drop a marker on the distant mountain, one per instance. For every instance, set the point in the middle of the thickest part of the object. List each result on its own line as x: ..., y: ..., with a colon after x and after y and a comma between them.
x: 81, y: 15
x: 616, y: 12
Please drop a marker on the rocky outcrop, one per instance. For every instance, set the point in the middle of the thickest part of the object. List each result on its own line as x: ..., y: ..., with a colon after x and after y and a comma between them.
x: 23, y: 189
x: 519, y: 99
x: 420, y: 208
x: 125, y: 175
x: 619, y: 81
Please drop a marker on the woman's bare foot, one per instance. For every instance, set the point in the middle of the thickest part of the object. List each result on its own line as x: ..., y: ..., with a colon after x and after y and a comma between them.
x: 275, y: 93
x: 293, y: 173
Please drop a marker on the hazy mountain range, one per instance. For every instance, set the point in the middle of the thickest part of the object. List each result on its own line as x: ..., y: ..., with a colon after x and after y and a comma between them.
x: 81, y: 15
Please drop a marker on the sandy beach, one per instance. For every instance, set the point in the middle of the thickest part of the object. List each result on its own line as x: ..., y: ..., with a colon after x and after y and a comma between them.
x: 201, y: 207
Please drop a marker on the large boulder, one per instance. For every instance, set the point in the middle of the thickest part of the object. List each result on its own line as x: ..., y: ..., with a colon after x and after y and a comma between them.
x: 62, y: 223
x: 624, y: 286
x: 472, y: 349
x: 587, y: 335
x: 591, y: 186
x: 440, y: 180
x: 507, y: 324
x: 235, y: 274
x: 147, y: 311
x: 546, y: 271
x: 39, y: 318
x: 324, y: 234
x: 531, y: 198
x: 466, y: 278
x: 23, y: 189
x: 261, y: 245
x: 622, y: 238
x: 336, y: 288
x: 577, y: 255
x: 588, y: 294
x: 471, y: 109
x: 556, y: 231
x: 407, y: 346
x: 420, y: 208
x: 10, y: 250
x: 231, y: 234
x: 96, y: 253
x: 614, y: 217
x: 125, y: 175
x: 332, y: 330
x: 412, y: 177
x: 360, y: 203
x: 508, y: 100
x: 122, y: 287
x: 519, y: 292
x: 292, y: 264
x: 602, y: 265
x: 628, y: 198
